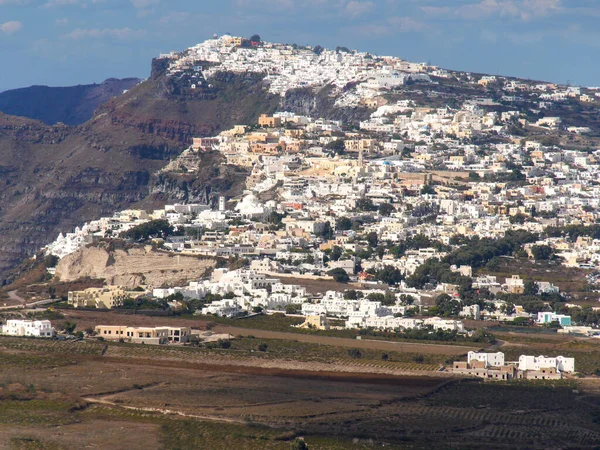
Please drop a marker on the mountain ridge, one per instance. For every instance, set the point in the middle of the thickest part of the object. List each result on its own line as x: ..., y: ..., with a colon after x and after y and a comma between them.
x: 71, y: 105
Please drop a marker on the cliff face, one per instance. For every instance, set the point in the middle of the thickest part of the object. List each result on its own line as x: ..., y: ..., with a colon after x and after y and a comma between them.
x: 132, y: 267
x: 53, y: 178
x: 71, y: 105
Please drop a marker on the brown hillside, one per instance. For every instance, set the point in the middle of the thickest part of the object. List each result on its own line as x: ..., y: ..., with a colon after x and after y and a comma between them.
x: 53, y: 178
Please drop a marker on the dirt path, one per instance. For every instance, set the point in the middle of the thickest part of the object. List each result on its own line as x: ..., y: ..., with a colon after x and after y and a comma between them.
x: 13, y: 296
x: 410, y: 347
x: 165, y: 412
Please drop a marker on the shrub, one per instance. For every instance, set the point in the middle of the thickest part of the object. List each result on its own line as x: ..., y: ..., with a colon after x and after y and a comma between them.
x: 418, y: 358
x: 354, y: 353
x: 262, y: 347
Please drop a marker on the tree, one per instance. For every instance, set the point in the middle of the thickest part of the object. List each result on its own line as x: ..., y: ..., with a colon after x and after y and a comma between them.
x: 365, y: 204
x: 530, y: 288
x: 354, y: 353
x: 372, y: 239
x: 153, y: 229
x: 344, y: 224
x: 69, y: 327
x: 327, y: 232
x: 427, y: 189
x: 317, y: 49
x: 257, y: 309
x: 390, y: 275
x: 255, y: 38
x: 337, y: 147
x: 339, y: 275
x: 542, y: 252
x: 518, y: 218
x: 386, y: 209
x: 351, y: 295
x: 447, y: 306
x: 508, y: 309
x: 336, y: 253
x: 292, y: 308
x: 299, y: 444
x: 262, y: 347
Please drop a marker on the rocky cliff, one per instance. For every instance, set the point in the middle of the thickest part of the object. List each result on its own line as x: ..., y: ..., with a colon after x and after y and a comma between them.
x: 71, y: 105
x: 132, y: 267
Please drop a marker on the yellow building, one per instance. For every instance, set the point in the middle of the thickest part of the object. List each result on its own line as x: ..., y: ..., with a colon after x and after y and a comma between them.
x: 107, y: 297
x: 269, y: 121
x: 144, y: 335
x: 316, y: 323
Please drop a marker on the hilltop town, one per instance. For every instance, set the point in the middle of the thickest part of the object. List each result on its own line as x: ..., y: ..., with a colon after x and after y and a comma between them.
x: 418, y: 206
x: 431, y: 233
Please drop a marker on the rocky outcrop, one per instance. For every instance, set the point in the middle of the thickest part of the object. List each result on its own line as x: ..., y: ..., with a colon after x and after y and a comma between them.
x: 209, y: 180
x: 320, y: 103
x: 132, y: 267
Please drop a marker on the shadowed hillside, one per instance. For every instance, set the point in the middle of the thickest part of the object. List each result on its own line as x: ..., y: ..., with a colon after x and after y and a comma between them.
x: 71, y: 105
x: 54, y: 178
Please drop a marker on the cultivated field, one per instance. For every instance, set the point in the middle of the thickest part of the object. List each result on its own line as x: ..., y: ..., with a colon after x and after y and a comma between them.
x: 95, y: 395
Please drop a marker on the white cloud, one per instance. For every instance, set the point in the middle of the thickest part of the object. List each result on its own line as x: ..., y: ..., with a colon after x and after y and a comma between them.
x: 396, y: 24
x: 144, y: 4
x: 523, y: 9
x: 59, y: 3
x: 61, y: 22
x: 14, y: 2
x: 97, y: 33
x: 355, y: 8
x: 10, y: 27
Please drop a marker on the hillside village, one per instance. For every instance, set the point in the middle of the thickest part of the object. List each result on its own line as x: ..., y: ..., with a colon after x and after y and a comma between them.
x: 414, y: 206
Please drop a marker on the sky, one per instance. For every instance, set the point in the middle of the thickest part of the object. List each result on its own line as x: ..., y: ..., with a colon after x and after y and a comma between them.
x: 69, y: 42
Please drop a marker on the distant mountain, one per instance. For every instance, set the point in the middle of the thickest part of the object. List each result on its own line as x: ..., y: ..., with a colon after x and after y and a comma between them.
x: 71, y: 105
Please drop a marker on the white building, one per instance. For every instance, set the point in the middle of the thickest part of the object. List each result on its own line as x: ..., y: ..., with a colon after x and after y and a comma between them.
x: 538, y: 363
x: 490, y: 359
x: 34, y: 328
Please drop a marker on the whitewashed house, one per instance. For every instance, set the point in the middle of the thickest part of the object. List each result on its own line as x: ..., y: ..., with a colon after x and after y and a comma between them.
x: 34, y: 328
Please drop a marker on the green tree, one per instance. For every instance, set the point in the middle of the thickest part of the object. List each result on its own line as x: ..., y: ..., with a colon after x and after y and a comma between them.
x: 339, y: 275
x: 386, y: 209
x: 255, y: 38
x: 389, y: 274
x: 153, y: 229
x: 372, y: 239
x: 336, y: 253
x: 337, y: 147
x: 530, y: 288
x: 292, y: 308
x: 447, y: 306
x: 343, y: 224
x: 299, y: 444
x: 542, y: 252
x: 354, y: 353
x: 365, y: 204
x: 69, y: 327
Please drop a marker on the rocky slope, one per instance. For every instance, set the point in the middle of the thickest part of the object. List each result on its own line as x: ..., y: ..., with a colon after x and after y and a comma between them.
x: 71, y: 105
x: 132, y: 267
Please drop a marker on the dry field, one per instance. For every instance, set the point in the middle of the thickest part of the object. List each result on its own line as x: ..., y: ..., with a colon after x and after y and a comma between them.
x: 95, y: 395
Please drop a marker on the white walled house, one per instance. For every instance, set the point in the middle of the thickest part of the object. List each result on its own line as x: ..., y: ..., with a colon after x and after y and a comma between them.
x: 539, y: 363
x: 33, y: 328
x: 489, y: 359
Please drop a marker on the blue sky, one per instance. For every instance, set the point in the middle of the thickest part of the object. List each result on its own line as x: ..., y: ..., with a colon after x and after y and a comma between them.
x: 66, y: 42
